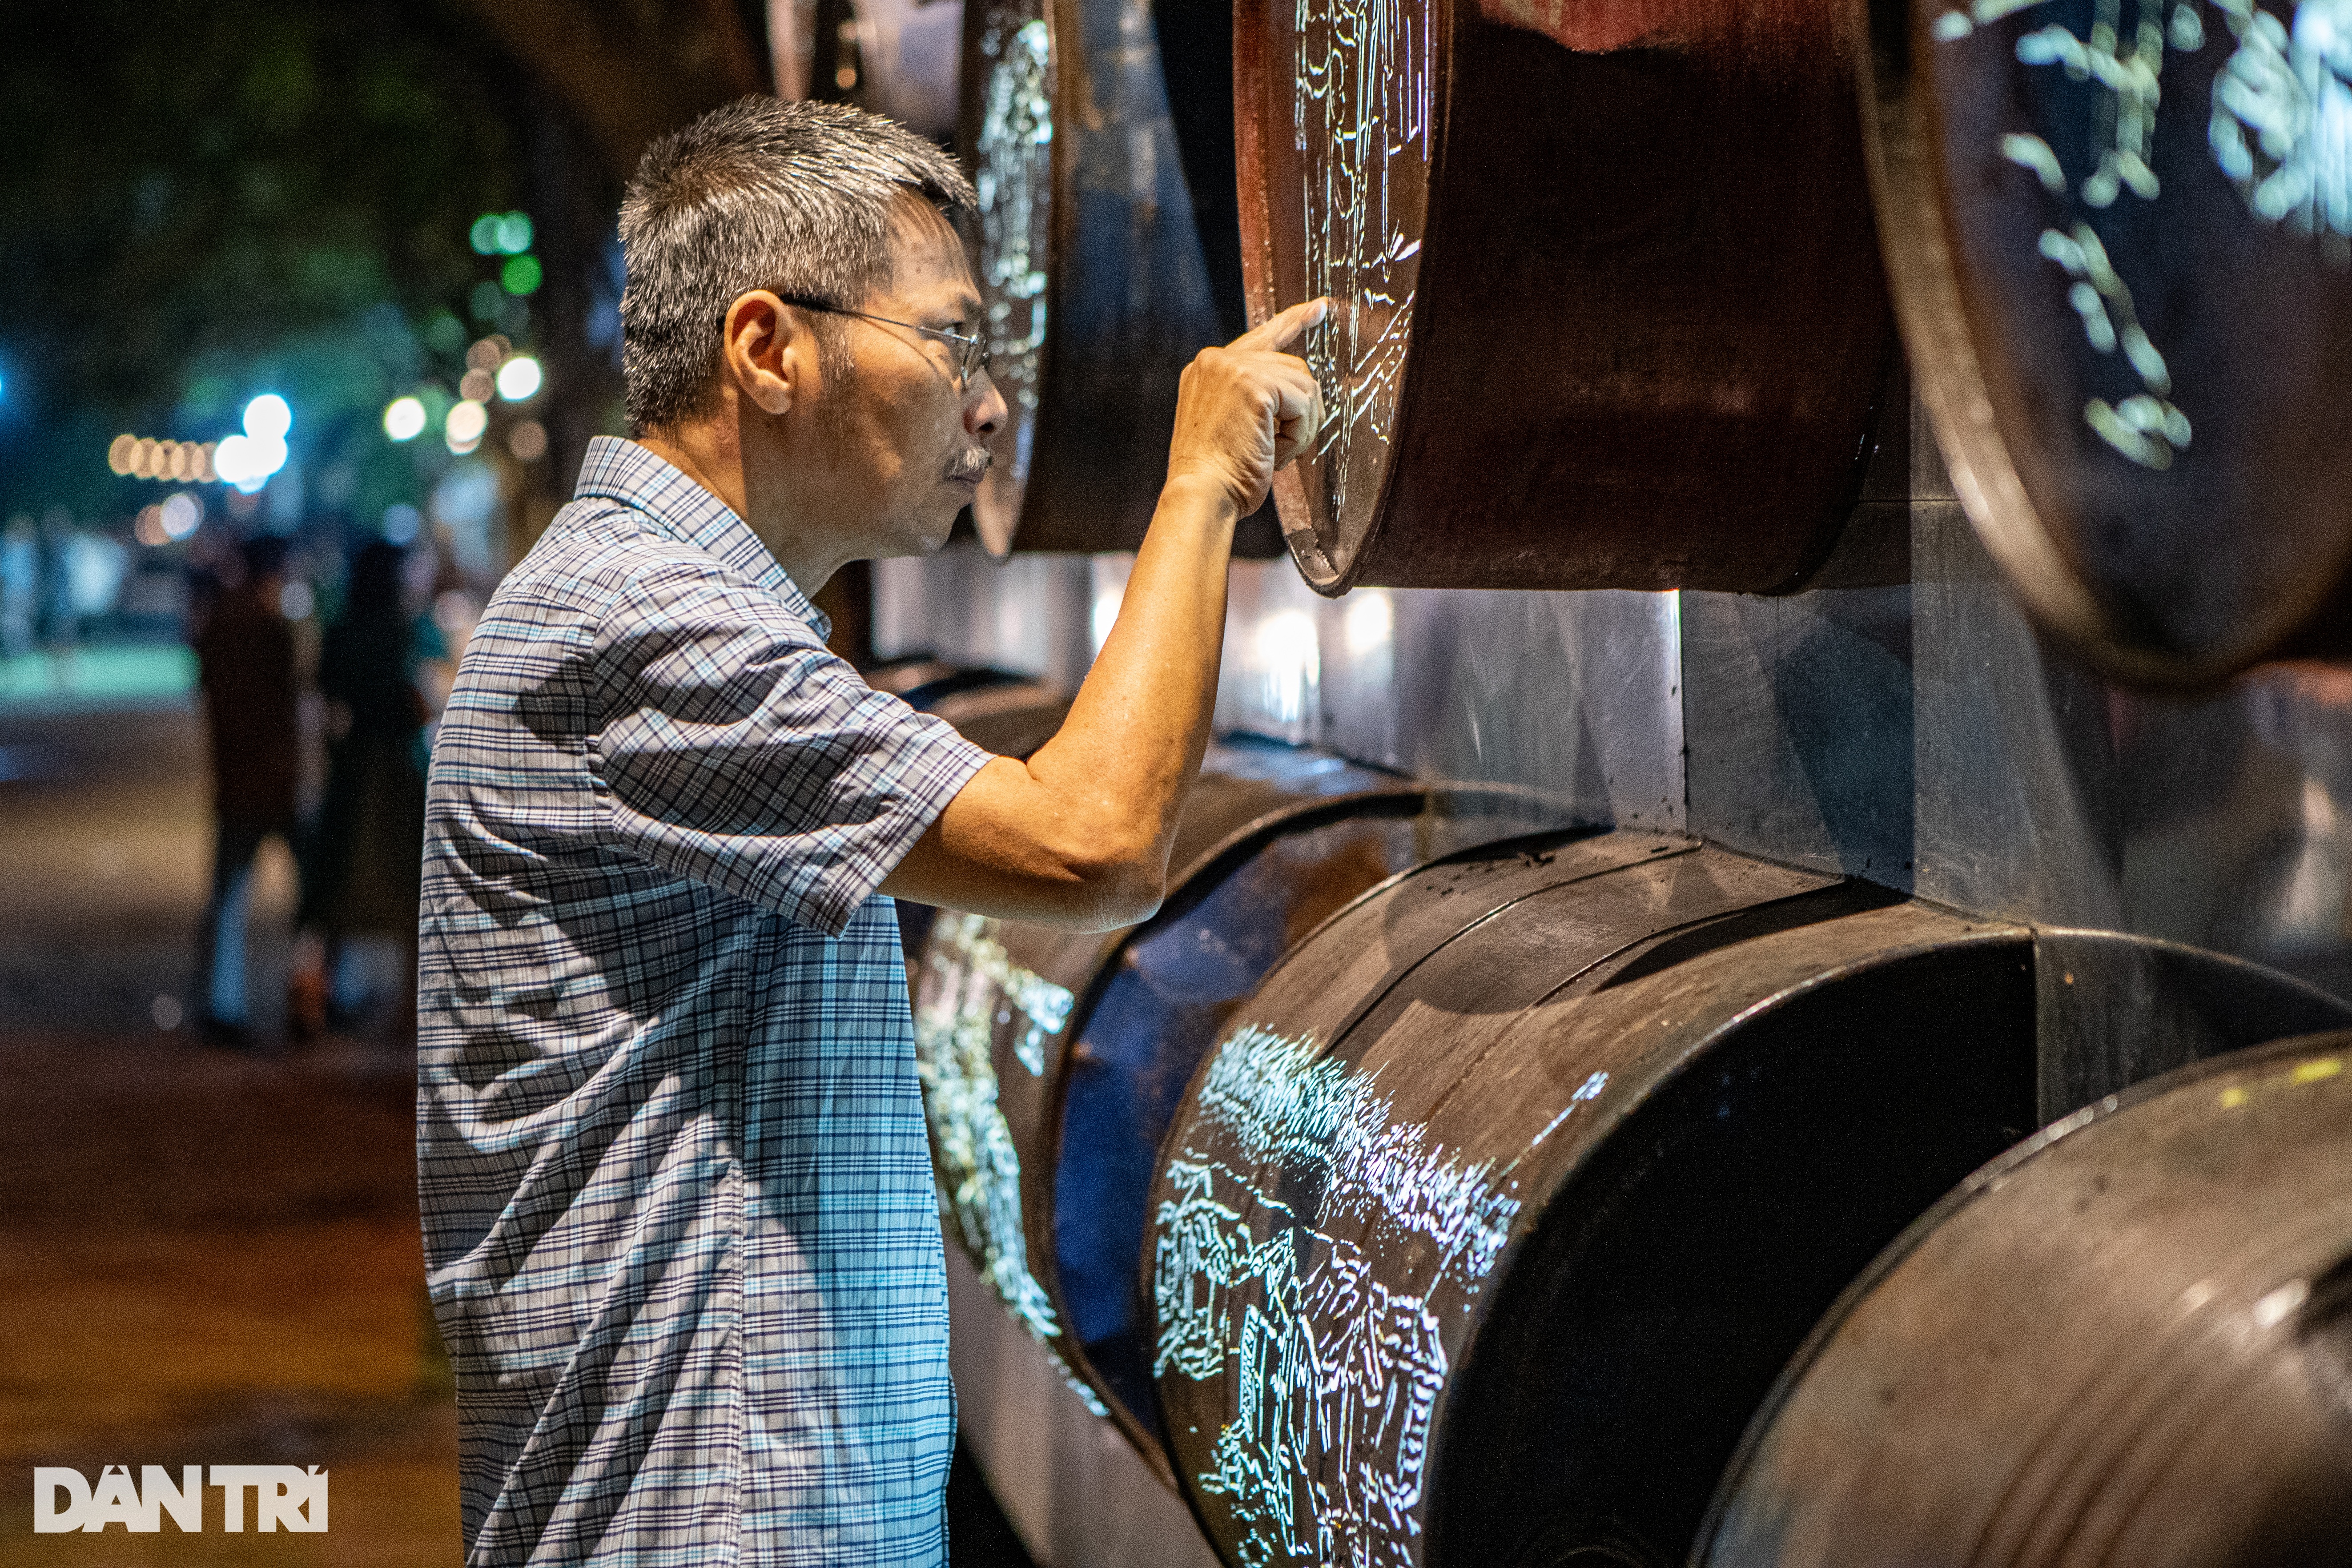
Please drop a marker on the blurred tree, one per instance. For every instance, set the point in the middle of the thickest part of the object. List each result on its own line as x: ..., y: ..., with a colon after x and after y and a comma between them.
x: 630, y: 69
x: 204, y: 199
x: 610, y: 76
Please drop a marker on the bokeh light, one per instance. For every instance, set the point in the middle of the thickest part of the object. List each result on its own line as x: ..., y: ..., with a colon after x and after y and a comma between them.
x: 522, y: 275
x: 404, y: 418
x: 500, y: 233
x: 466, y: 422
x: 518, y: 378
x: 528, y: 441
x: 496, y: 233
x: 268, y: 418
x: 455, y: 613
x: 174, y: 517
x: 477, y: 386
x: 144, y: 457
x: 247, y: 462
x: 402, y: 522
x: 180, y: 514
x: 231, y: 462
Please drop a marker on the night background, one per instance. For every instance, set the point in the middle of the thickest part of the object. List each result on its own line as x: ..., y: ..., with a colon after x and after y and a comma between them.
x: 207, y: 203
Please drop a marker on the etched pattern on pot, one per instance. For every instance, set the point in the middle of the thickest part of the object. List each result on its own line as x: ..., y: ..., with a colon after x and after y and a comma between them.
x: 1015, y: 181
x: 1336, y: 1368
x: 1361, y: 110
x: 969, y: 984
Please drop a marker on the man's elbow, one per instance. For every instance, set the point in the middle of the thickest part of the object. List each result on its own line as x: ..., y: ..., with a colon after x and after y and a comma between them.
x: 1117, y: 885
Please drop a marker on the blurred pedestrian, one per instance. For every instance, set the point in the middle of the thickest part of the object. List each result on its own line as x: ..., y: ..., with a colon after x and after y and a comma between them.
x: 245, y: 650
x: 365, y: 862
x: 94, y: 566
x: 20, y: 586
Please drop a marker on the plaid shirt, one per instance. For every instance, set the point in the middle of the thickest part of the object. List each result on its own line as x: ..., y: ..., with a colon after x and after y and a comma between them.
x: 678, y: 1212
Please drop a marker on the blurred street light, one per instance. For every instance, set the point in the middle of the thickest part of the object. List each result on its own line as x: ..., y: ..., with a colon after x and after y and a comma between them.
x: 174, y: 517
x: 518, y: 378
x: 248, y: 460
x: 501, y: 234
x: 143, y: 457
x: 404, y: 418
x: 180, y: 514
x: 268, y: 418
x: 463, y: 429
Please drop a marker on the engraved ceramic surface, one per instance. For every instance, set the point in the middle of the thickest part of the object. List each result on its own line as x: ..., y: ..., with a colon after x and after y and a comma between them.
x: 968, y: 994
x: 1162, y: 1008
x: 1505, y: 1197
x: 1337, y: 1365
x: 1096, y: 286
x: 1013, y: 176
x: 1347, y: 143
x: 1605, y: 306
x: 2136, y: 324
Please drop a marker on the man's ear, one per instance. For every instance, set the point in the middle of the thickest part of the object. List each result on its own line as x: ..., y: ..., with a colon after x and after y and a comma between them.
x: 766, y: 351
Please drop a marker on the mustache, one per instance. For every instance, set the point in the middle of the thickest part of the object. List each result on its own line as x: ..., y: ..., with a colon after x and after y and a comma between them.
x: 970, y: 464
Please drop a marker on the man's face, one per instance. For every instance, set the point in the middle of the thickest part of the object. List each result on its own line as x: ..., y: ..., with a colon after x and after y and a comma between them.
x: 906, y: 443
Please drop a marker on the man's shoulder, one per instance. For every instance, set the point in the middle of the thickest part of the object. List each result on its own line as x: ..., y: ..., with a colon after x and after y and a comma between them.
x: 595, y: 552
x: 604, y: 561
x: 543, y: 620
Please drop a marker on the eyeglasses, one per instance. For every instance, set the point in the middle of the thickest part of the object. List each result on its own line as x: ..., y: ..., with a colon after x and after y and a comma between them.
x: 972, y: 353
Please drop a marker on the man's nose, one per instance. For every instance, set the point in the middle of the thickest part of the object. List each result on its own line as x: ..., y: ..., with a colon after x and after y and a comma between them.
x: 985, y: 411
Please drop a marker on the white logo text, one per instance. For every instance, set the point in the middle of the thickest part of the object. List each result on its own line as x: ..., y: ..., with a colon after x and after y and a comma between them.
x: 285, y: 1496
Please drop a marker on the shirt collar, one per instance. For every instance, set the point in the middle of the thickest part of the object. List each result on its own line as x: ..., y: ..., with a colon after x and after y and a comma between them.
x: 624, y: 471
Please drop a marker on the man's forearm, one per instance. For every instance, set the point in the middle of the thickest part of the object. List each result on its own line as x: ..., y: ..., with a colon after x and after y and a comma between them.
x: 1135, y: 735
x: 1079, y: 834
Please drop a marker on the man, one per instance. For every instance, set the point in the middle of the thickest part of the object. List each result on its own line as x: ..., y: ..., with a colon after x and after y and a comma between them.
x: 244, y: 659
x: 677, y: 1202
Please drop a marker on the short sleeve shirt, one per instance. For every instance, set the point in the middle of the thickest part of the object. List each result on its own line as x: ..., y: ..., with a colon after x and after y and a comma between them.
x: 677, y: 1203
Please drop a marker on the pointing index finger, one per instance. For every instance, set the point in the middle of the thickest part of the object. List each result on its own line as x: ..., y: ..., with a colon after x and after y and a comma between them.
x: 1279, y: 331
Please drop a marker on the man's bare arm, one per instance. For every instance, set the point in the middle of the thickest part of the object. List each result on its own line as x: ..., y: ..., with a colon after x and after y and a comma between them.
x: 1079, y: 835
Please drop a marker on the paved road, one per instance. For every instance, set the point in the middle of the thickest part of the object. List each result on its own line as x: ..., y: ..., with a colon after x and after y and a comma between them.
x: 206, y: 1257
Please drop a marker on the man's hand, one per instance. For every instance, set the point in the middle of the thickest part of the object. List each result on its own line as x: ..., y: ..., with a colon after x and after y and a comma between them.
x: 1079, y: 834
x: 1245, y: 410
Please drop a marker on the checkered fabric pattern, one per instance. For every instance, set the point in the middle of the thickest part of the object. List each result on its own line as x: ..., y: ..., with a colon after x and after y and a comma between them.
x: 679, y: 1211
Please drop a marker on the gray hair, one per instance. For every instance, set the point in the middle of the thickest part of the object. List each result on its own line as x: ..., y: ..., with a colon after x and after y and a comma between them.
x: 796, y: 198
